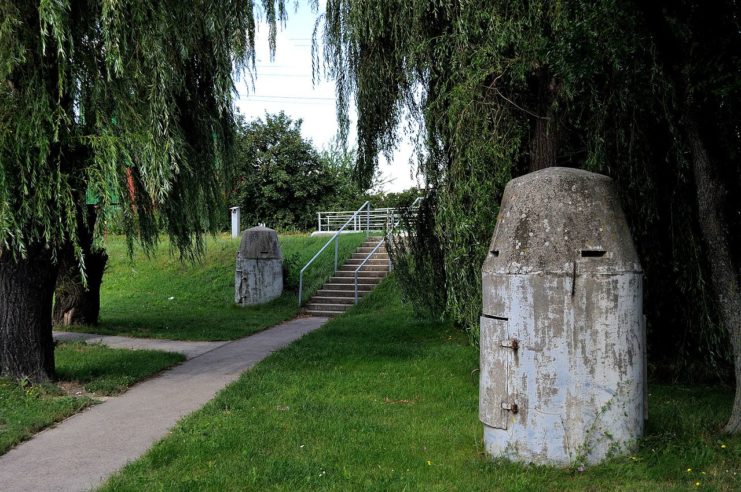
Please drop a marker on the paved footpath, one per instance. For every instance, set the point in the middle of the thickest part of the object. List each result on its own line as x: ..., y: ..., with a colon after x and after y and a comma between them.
x: 188, y: 349
x: 84, y: 450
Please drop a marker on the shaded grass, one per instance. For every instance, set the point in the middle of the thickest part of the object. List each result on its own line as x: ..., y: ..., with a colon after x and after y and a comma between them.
x: 376, y: 400
x: 26, y: 409
x: 162, y: 297
x: 107, y: 371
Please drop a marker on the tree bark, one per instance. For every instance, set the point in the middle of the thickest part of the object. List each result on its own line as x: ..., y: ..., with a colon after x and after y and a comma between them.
x: 544, y: 144
x: 724, y: 277
x: 76, y: 304
x: 26, y: 292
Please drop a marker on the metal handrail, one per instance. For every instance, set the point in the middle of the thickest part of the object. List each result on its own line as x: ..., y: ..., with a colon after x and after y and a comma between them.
x: 335, y: 237
x: 379, y: 218
x: 415, y: 203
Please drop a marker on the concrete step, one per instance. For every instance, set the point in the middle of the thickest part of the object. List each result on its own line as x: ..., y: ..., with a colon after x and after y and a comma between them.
x: 366, y: 268
x: 340, y: 293
x: 372, y: 261
x: 320, y: 299
x: 376, y: 256
x: 350, y: 287
x: 369, y: 281
x: 337, y: 308
x: 337, y: 295
x: 368, y: 249
x: 363, y: 278
x: 319, y: 312
x: 363, y: 273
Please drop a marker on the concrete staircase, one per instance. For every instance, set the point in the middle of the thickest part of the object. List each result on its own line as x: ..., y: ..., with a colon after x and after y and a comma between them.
x: 338, y: 294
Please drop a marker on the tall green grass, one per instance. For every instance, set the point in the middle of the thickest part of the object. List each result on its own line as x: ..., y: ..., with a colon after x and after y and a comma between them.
x: 162, y: 297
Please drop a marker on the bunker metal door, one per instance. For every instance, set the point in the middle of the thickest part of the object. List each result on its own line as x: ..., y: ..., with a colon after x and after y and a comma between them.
x: 497, y: 348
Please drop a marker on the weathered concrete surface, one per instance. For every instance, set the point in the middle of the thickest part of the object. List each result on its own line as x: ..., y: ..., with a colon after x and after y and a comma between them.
x: 188, y: 349
x: 562, y: 279
x: 84, y: 450
x: 258, y: 274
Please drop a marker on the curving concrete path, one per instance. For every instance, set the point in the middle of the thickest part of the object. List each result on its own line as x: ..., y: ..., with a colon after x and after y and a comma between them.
x: 84, y: 450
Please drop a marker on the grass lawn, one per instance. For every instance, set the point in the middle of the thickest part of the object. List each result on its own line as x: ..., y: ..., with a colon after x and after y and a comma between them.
x: 162, y: 297
x: 25, y: 409
x: 378, y: 401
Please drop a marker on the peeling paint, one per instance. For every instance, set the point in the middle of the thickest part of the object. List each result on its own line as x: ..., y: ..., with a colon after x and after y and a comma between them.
x: 577, y: 377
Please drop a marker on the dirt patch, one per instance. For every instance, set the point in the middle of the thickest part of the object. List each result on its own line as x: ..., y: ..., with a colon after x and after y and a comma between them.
x: 74, y: 388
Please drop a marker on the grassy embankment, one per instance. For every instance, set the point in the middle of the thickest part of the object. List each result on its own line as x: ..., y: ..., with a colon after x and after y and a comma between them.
x: 85, y: 372
x: 162, y: 297
x: 376, y: 400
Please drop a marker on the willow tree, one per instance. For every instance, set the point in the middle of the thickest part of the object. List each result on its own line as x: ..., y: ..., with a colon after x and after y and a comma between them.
x: 646, y: 92
x: 127, y: 101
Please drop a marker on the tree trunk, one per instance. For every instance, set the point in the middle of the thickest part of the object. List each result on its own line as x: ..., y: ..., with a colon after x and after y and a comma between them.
x: 74, y: 303
x: 544, y: 144
x: 26, y: 290
x: 724, y: 277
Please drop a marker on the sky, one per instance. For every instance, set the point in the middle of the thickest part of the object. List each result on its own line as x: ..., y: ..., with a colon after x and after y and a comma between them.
x: 285, y: 83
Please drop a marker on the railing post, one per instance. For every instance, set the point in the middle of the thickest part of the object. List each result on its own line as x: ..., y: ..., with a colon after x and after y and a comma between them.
x: 319, y: 221
x: 367, y: 220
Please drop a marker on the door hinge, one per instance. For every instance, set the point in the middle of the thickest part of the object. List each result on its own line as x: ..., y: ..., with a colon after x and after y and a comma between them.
x: 512, y: 407
x: 511, y: 344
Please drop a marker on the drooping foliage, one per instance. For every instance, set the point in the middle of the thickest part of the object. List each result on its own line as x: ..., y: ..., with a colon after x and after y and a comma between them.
x: 502, y: 88
x: 127, y: 101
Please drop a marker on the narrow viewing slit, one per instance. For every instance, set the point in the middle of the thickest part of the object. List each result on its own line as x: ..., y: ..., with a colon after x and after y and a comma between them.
x: 592, y: 253
x: 495, y: 253
x: 500, y: 318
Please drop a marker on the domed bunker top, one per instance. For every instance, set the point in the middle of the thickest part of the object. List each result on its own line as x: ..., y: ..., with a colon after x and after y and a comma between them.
x: 260, y: 243
x: 553, y: 219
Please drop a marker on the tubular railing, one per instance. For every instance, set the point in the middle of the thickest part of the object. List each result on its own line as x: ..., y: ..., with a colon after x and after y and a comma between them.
x: 380, y: 219
x: 413, y: 206
x: 336, y: 238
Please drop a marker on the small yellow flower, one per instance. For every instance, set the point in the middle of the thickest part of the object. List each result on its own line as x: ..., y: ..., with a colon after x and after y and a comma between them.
x: 429, y: 463
x: 697, y: 484
x: 689, y: 470
x: 723, y: 446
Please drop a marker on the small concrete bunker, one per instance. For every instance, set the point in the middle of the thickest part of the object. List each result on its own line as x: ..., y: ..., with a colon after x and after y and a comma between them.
x: 259, y: 272
x: 562, y: 333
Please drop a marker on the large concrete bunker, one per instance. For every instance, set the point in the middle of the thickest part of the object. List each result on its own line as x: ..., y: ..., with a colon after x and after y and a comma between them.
x: 562, y: 333
x: 259, y: 271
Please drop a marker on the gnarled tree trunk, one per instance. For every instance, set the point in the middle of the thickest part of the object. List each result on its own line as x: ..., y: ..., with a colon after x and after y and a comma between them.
x: 75, y: 303
x: 724, y: 277
x: 26, y: 290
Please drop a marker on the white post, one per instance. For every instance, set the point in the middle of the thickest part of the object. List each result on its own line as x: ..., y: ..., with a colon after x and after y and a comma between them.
x: 235, y: 221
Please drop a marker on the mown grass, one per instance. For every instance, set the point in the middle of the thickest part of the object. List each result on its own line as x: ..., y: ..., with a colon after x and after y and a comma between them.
x: 25, y: 409
x: 162, y: 297
x: 378, y: 401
